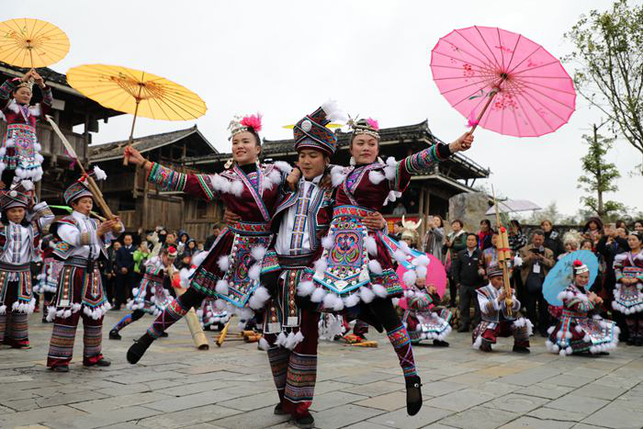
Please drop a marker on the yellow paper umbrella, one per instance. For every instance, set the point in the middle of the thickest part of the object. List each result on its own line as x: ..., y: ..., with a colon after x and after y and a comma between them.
x: 26, y: 42
x: 136, y: 92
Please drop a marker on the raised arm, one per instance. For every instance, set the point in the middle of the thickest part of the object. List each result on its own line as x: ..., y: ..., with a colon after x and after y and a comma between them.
x: 198, y: 185
x: 424, y: 160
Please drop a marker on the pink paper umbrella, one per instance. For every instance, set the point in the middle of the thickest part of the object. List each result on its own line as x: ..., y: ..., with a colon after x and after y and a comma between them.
x: 436, y: 275
x: 524, y: 90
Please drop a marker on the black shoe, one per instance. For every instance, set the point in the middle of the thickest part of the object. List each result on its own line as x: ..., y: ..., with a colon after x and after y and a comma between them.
x: 630, y: 342
x: 485, y: 347
x: 306, y: 421
x: 521, y: 349
x: 115, y: 309
x: 440, y: 343
x: 279, y: 410
x: 413, y: 395
x: 61, y: 368
x: 114, y: 335
x: 544, y: 334
x: 164, y: 335
x: 101, y: 362
x: 137, y: 350
x: 463, y: 329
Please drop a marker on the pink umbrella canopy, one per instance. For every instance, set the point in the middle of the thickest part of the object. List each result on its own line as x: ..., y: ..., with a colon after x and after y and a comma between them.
x: 436, y: 275
x: 503, y: 81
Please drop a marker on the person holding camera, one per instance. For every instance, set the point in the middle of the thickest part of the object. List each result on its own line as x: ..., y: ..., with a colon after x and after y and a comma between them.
x: 537, y: 260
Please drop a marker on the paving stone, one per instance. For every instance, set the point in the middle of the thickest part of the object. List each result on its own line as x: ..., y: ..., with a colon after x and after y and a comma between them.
x: 545, y: 390
x: 103, y: 418
x: 516, y: 403
x: 253, y: 402
x: 618, y: 414
x: 546, y: 413
x: 189, y: 401
x: 570, y: 381
x: 69, y: 398
x: 260, y: 418
x: 188, y: 418
x: 578, y: 404
x: 375, y: 389
x: 387, y: 402
x: 480, y: 418
x: 334, y: 399
x: 531, y: 376
x: 599, y: 391
x: 367, y: 377
x: 460, y: 400
x: 41, y: 415
x: 114, y: 403
x: 535, y: 423
x: 400, y: 419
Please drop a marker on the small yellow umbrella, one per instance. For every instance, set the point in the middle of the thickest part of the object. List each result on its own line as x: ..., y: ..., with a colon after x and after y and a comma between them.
x: 26, y: 42
x: 136, y: 92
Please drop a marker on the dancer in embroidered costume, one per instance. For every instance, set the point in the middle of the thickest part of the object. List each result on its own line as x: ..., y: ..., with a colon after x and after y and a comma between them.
x: 628, y: 295
x: 580, y: 329
x: 20, y: 156
x: 230, y: 271
x: 356, y: 265
x: 48, y: 278
x: 495, y: 321
x: 81, y: 240
x: 150, y: 297
x: 20, y: 231
x: 421, y: 318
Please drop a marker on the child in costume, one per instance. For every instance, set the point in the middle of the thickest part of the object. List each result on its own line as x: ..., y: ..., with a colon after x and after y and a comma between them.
x: 47, y: 280
x: 422, y: 319
x: 81, y: 240
x: 150, y: 297
x: 580, y: 329
x: 20, y: 232
x: 496, y: 322
x: 20, y: 156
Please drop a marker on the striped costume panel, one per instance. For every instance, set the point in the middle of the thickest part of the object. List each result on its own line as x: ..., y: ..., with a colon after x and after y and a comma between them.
x: 301, y: 377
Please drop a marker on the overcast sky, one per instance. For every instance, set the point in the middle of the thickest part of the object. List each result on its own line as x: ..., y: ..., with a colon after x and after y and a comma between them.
x: 285, y: 58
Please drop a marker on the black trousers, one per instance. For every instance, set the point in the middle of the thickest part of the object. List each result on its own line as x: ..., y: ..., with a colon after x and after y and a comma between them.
x: 468, y: 295
x: 123, y: 288
x: 537, y: 310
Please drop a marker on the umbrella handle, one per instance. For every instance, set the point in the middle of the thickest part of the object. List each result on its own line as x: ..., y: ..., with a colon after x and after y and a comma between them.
x: 131, y: 134
x: 484, y: 109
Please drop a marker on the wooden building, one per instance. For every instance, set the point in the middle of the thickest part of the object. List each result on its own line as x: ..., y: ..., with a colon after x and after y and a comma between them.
x: 70, y: 109
x: 139, y: 203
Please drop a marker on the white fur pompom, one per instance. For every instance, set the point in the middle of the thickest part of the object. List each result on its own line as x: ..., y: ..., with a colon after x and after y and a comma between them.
x: 318, y: 295
x: 27, y: 185
x: 371, y: 245
x: 366, y: 294
x: 375, y: 177
x: 337, y: 176
x: 283, y: 166
x: 421, y: 261
x: 351, y: 300
x: 409, y: 278
x: 254, y: 272
x: 305, y: 288
x: 405, y: 248
x: 380, y: 291
x: 421, y: 271
x: 236, y: 187
x: 222, y: 287
x: 320, y: 265
x: 224, y: 263
x: 334, y: 112
x: 330, y: 300
x: 100, y: 174
x: 374, y: 266
x: 399, y: 256
x: 259, y: 298
x: 328, y: 242
x: 258, y: 252
x: 199, y: 258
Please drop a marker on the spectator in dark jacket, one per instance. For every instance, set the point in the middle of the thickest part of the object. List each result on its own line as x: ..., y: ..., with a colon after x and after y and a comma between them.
x: 124, y: 271
x: 455, y: 242
x: 469, y: 275
x: 553, y: 239
x: 216, y: 230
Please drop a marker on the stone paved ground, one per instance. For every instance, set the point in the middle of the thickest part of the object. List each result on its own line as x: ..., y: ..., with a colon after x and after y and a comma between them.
x: 178, y: 386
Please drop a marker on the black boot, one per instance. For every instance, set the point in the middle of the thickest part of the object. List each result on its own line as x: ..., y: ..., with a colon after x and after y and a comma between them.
x: 137, y: 350
x: 114, y: 335
x: 413, y: 395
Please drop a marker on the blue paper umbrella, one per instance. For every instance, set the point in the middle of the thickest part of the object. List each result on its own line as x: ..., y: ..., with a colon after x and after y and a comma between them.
x: 561, y: 275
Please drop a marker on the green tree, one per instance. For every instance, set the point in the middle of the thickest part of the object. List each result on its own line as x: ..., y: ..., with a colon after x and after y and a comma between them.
x: 600, y: 176
x: 609, y: 58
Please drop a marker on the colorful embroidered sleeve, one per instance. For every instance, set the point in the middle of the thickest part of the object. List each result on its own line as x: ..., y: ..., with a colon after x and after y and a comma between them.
x: 418, y: 163
x: 419, y: 302
x: 198, y: 185
x: 6, y: 89
x: 47, y: 100
x: 42, y: 216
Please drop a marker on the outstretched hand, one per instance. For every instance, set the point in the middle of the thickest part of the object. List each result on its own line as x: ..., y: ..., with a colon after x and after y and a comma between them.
x: 463, y: 143
x: 133, y: 156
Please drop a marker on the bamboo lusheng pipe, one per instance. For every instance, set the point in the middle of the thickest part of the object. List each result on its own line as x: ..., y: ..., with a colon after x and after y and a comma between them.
x: 198, y: 336
x: 224, y: 333
x: 504, y: 256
